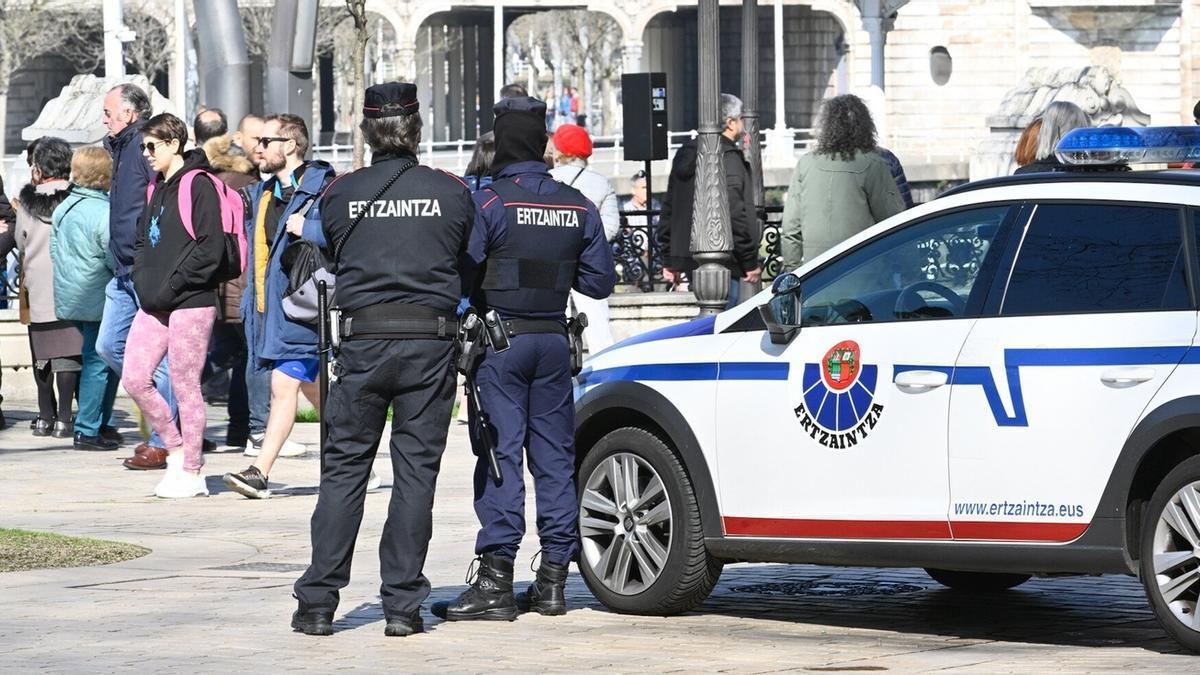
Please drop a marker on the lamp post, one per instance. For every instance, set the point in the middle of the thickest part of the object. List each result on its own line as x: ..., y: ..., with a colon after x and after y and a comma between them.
x: 750, y: 117
x: 711, y: 236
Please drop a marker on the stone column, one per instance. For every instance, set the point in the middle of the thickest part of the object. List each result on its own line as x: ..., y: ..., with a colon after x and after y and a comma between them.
x: 498, y: 48
x: 406, y: 58
x: 631, y: 56
x: 750, y: 118
x: 877, y: 28
x: 114, y: 38
x: 780, y: 143
x: 711, y: 237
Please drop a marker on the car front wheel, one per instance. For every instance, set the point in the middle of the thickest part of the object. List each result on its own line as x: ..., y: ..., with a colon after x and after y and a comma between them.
x: 642, y: 545
x: 1170, y: 553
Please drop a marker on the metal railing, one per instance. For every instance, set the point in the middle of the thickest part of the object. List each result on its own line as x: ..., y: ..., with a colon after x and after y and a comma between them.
x: 638, y: 256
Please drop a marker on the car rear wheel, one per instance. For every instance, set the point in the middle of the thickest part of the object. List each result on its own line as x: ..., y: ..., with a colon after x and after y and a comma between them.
x: 642, y: 545
x: 977, y: 582
x: 1170, y: 553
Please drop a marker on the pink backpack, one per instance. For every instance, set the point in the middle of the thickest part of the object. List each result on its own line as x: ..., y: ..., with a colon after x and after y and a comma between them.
x: 233, y: 211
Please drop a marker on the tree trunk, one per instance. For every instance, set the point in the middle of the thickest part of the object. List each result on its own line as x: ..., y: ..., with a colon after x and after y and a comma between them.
x: 362, y: 34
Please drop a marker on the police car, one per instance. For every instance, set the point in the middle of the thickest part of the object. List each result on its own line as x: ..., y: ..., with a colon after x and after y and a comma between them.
x: 1002, y: 383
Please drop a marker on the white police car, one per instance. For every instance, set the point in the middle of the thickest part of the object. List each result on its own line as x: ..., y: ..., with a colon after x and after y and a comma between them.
x: 1001, y: 383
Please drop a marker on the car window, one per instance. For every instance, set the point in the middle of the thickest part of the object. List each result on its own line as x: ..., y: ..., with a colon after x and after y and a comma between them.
x: 925, y: 271
x: 1099, y: 258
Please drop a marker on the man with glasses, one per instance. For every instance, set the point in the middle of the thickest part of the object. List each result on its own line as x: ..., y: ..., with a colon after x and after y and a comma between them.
x: 126, y: 109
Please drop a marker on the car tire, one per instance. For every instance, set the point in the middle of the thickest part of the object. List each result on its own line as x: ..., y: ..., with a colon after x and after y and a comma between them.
x: 641, y: 551
x: 977, y: 582
x: 1168, y: 564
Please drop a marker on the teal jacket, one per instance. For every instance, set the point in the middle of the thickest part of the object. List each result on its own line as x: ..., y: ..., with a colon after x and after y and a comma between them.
x: 83, y: 263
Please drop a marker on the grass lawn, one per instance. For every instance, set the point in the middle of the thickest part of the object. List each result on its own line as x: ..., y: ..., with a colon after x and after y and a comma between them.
x: 24, y: 550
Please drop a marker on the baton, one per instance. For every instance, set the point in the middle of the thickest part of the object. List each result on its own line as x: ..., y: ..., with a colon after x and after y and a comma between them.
x: 323, y: 356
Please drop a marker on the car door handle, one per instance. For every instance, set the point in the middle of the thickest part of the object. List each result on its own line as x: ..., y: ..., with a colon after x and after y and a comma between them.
x: 920, y: 381
x: 1126, y: 377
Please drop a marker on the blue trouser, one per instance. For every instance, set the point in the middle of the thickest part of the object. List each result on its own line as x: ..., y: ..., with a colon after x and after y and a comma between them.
x: 120, y: 306
x: 97, y: 384
x: 526, y: 391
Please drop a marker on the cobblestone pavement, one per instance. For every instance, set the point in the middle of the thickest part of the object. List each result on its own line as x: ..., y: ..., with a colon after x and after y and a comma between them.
x: 215, y: 596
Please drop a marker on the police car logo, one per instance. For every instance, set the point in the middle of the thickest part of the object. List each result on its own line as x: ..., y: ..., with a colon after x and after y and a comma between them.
x: 838, y: 407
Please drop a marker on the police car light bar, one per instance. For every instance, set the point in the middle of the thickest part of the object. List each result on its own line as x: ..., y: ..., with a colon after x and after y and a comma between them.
x: 1129, y: 145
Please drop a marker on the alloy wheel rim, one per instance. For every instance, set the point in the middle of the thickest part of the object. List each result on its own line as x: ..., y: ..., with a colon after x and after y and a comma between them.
x: 625, y: 524
x: 1176, y: 555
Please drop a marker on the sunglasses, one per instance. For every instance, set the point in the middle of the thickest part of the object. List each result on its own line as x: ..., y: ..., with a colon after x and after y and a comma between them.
x: 265, y: 141
x: 153, y: 146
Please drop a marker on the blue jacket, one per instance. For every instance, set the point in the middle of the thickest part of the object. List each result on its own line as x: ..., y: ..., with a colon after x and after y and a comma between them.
x: 595, y: 275
x: 127, y: 197
x: 83, y: 263
x: 271, y: 336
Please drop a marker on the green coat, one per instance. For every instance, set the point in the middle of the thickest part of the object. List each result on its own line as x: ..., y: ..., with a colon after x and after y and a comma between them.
x: 831, y: 200
x: 83, y: 263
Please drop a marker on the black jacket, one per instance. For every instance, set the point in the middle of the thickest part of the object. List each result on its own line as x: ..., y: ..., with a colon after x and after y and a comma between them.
x: 127, y: 198
x: 170, y: 269
x: 675, y: 223
x: 8, y: 224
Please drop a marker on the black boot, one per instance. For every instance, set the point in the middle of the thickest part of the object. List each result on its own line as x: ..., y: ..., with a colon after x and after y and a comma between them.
x: 402, y: 626
x: 546, y: 595
x: 490, y: 596
x: 313, y: 621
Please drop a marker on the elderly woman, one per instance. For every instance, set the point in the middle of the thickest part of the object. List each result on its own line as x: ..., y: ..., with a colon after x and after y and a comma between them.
x: 56, y: 345
x: 83, y: 266
x: 840, y: 188
x: 1057, y: 119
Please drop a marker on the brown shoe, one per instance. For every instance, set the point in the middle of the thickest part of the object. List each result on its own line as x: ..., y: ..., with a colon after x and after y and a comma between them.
x: 147, y: 458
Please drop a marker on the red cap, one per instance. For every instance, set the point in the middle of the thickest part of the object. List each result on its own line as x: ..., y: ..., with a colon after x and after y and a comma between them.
x: 573, y: 140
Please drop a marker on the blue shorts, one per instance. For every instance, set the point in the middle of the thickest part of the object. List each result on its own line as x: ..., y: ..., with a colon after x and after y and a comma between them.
x: 304, y: 370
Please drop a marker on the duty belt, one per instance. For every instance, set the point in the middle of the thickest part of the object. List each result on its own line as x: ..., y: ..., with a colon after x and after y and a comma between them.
x: 398, y: 322
x: 514, y: 327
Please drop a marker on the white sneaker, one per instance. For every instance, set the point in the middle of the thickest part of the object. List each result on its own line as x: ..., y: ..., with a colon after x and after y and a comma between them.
x: 179, y: 484
x: 373, y: 482
x: 289, y: 449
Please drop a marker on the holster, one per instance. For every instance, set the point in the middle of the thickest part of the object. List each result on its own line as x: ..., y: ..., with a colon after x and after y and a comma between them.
x: 575, y: 326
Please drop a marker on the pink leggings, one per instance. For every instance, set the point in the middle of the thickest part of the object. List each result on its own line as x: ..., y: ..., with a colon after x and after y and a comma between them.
x: 183, y: 336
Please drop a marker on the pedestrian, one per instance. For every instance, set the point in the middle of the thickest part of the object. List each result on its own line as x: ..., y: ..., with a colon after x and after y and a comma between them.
x: 1057, y: 119
x: 83, y: 266
x: 675, y: 227
x: 56, y: 345
x: 538, y: 239
x: 897, y: 170
x: 246, y: 402
x: 577, y: 115
x: 479, y: 169
x: 209, y: 123
x: 840, y: 188
x: 249, y: 130
x: 573, y: 147
x: 564, y: 107
x: 8, y: 242
x: 636, y: 246
x: 396, y: 230
x: 1026, y: 150
x: 513, y: 90
x: 126, y: 109
x: 175, y: 277
x: 284, y: 209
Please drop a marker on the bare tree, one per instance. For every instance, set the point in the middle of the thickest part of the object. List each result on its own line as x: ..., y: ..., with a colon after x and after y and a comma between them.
x: 150, y: 53
x: 362, y: 34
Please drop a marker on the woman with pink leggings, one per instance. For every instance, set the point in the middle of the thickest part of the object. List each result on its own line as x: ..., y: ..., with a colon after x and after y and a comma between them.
x: 175, y: 277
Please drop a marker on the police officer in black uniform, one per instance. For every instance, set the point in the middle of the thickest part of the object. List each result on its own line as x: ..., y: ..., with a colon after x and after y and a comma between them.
x: 537, y: 239
x: 396, y: 231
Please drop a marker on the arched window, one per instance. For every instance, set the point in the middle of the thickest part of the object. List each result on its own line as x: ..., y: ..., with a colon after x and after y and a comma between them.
x: 940, y: 65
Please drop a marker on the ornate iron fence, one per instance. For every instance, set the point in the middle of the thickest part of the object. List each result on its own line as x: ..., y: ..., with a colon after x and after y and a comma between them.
x: 639, y: 258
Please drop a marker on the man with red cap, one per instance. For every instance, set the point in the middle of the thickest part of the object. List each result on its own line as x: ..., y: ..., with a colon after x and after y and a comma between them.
x: 573, y: 147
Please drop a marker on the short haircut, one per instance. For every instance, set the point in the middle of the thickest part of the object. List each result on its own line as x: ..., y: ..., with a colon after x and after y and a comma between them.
x: 393, y: 135
x: 208, y: 124
x: 167, y: 127
x: 513, y: 90
x: 293, y: 127
x: 136, y: 99
x: 247, y: 118
x: 52, y: 157
x: 731, y: 107
x: 91, y: 167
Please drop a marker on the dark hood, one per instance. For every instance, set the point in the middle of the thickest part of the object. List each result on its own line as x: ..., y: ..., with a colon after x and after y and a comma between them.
x: 520, y: 137
x: 192, y: 159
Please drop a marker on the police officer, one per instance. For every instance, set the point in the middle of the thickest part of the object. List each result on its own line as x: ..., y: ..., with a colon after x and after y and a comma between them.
x: 540, y: 238
x: 396, y: 231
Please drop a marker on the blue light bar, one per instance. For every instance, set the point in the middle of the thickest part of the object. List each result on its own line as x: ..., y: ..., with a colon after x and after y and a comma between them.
x: 1129, y: 145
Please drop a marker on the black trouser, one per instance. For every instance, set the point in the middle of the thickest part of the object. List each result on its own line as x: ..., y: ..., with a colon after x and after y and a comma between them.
x: 416, y: 378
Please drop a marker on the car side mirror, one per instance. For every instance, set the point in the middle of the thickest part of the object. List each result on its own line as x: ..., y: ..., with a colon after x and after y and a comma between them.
x: 781, y: 313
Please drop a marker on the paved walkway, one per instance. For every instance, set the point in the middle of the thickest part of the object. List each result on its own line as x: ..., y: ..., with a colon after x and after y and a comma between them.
x: 214, y: 596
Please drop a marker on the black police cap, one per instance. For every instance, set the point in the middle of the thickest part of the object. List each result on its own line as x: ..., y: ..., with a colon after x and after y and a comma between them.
x: 391, y: 99
x: 520, y: 104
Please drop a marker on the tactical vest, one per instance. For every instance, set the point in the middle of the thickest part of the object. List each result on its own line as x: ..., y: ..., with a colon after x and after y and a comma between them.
x: 533, y: 270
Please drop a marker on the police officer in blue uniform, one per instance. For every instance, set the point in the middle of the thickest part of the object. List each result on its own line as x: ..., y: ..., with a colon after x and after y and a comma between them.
x: 535, y: 239
x: 397, y: 232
